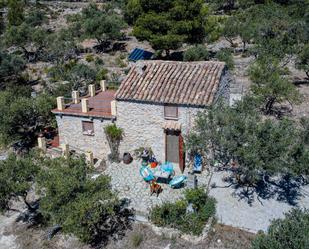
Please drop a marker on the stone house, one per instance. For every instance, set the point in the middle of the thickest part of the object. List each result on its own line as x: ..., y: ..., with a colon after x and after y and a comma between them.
x: 156, y: 105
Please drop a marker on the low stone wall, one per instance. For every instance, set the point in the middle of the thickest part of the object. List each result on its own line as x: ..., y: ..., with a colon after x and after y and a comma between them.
x: 175, y: 233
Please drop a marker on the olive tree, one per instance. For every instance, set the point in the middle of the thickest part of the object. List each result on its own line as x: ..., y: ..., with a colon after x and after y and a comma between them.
x: 85, y: 207
x: 289, y: 232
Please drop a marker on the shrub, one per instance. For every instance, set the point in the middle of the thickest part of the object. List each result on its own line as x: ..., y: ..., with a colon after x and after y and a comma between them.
x: 98, y: 61
x: 89, y: 58
x: 175, y: 215
x: 119, y: 62
x: 114, y: 135
x: 137, y: 239
x: 102, y: 74
x: 197, y: 53
x: 226, y: 56
x: 290, y: 232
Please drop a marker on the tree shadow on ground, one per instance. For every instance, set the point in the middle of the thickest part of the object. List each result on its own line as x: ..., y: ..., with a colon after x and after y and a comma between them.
x: 114, y: 227
x: 285, y: 189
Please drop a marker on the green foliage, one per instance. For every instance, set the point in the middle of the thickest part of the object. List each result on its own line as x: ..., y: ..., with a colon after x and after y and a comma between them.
x: 102, y: 74
x: 270, y: 85
x: 167, y: 24
x: 24, y: 34
x: 79, y: 75
x: 23, y: 116
x: 101, y: 24
x: 10, y: 65
x: 137, y: 239
x: 83, y: 206
x: 226, y: 56
x: 15, y: 12
x: 175, y: 214
x: 61, y: 46
x: 114, y: 136
x: 89, y: 58
x: 119, y: 61
x: 259, y: 146
x: 36, y: 17
x: 113, y: 132
x: 16, y: 177
x: 290, y: 232
x: 196, y: 53
x: 302, y: 61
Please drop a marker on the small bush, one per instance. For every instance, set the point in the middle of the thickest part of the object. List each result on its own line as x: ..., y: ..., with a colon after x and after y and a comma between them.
x: 291, y: 232
x: 137, y: 239
x: 119, y: 62
x: 89, y: 58
x: 226, y: 56
x: 175, y: 215
x: 102, y: 74
x: 197, y: 53
x: 98, y: 61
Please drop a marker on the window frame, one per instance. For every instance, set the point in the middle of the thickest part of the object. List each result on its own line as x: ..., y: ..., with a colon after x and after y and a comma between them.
x: 176, y: 117
x: 86, y: 133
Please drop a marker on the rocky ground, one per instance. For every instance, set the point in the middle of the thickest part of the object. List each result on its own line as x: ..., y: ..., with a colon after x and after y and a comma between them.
x: 18, y: 236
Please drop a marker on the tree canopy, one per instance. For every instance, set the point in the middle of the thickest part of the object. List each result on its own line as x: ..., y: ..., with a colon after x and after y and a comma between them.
x: 168, y: 24
x: 24, y: 117
x: 16, y: 178
x: 86, y: 207
x: 102, y: 24
x: 259, y: 146
x: 290, y: 232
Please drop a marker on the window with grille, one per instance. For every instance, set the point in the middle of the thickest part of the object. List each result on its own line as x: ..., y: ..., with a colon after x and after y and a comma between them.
x: 171, y: 112
x: 88, y: 128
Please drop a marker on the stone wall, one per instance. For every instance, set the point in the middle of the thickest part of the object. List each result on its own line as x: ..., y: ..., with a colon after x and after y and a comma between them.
x: 143, y: 125
x: 70, y: 132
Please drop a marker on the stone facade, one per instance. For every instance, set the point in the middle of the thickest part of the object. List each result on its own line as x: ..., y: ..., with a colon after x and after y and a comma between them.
x: 71, y: 132
x: 143, y: 125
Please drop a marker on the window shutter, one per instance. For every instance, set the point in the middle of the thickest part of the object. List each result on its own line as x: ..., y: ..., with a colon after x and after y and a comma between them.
x: 170, y: 111
x: 88, y: 128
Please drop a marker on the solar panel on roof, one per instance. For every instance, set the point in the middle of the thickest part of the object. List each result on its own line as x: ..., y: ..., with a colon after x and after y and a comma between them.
x: 140, y: 54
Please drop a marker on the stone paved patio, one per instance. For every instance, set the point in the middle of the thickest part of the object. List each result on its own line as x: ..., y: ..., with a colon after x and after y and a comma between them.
x: 235, y: 207
x: 127, y: 180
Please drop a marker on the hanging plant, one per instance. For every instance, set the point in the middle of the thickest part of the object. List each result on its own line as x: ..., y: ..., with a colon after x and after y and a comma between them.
x: 114, y: 136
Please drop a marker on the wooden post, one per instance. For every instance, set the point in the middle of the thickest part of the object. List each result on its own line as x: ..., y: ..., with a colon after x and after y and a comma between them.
x: 42, y: 143
x: 85, y: 105
x: 65, y: 150
x: 60, y: 103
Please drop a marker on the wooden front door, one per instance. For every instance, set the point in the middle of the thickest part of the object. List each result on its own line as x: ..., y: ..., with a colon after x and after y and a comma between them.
x: 174, y: 151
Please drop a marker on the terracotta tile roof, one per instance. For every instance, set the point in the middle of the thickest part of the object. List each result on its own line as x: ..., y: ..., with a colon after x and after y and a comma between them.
x: 172, y: 125
x: 192, y: 83
x: 99, y: 106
